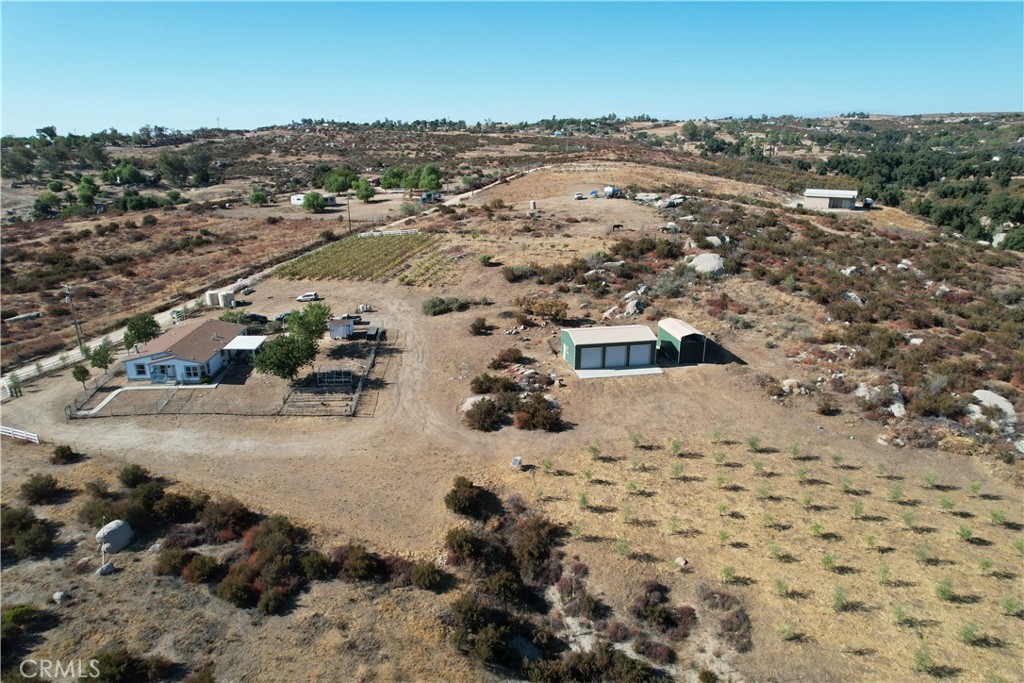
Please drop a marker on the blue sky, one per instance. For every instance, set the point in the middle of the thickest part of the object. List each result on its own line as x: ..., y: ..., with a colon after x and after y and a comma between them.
x: 88, y: 66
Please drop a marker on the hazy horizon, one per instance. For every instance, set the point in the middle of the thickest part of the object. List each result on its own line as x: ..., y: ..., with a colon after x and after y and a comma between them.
x: 86, y: 67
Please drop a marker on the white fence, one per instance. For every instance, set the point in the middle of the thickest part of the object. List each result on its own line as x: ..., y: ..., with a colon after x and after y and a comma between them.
x: 18, y: 434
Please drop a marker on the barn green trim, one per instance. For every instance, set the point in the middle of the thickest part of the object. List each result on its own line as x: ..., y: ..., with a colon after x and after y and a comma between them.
x: 681, y: 343
x: 622, y: 347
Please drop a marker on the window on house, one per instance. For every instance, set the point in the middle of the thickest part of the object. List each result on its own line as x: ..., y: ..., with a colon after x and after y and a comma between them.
x: 192, y: 371
x: 140, y: 369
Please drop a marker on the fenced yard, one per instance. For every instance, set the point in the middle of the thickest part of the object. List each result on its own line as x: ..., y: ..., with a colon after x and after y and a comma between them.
x: 325, y: 392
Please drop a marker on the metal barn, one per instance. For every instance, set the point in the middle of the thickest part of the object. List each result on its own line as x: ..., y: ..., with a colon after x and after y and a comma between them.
x: 680, y: 342
x: 598, y: 348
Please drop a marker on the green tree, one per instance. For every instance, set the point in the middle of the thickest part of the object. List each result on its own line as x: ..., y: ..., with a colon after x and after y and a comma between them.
x: 320, y: 171
x: 430, y: 178
x: 18, y: 162
x: 80, y: 373
x: 173, y: 167
x: 102, y: 356
x: 392, y: 177
x: 314, y: 202
x: 284, y: 356
x: 141, y: 328
x: 46, y: 205
x: 199, y: 165
x: 259, y: 198
x: 339, y: 180
x: 364, y: 190
x: 311, y: 321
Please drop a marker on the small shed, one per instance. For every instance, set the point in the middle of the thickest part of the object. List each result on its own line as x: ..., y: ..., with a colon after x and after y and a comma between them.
x: 681, y: 342
x: 341, y: 327
x: 598, y: 348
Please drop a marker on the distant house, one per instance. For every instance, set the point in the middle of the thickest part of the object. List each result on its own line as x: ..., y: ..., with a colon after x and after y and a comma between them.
x: 185, y: 354
x: 829, y: 199
x: 329, y: 199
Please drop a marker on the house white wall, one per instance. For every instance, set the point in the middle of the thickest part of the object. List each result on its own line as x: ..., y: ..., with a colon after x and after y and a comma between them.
x: 168, y: 368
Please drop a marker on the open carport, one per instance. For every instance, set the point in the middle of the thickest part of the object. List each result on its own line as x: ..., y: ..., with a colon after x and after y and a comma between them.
x: 681, y: 343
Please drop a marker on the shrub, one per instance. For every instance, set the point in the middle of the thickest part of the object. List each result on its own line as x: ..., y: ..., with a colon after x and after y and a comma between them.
x: 40, y: 488
x: 273, y: 601
x: 133, y: 475
x: 464, y: 498
x: 317, y: 567
x: 659, y: 653
x: 226, y: 519
x: 174, y: 507
x: 536, y: 412
x: 62, y: 455
x: 26, y: 535
x: 426, y: 576
x: 484, y: 416
x: 441, y: 305
x: 171, y: 561
x: 491, y: 384
x: 237, y: 587
x: 735, y: 629
x: 505, y: 358
x: 149, y: 219
x: 504, y: 586
x: 531, y: 541
x: 356, y: 563
x: 201, y: 569
x: 479, y: 327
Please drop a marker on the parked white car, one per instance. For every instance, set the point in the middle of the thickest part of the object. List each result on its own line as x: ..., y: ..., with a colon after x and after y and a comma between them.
x: 308, y: 296
x: 579, y: 195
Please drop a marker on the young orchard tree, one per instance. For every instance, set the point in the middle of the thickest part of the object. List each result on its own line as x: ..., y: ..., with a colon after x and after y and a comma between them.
x: 102, y: 356
x: 80, y: 373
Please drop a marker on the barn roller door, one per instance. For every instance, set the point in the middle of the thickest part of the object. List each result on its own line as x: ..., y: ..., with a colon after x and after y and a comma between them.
x: 590, y: 358
x: 615, y: 357
x: 639, y: 354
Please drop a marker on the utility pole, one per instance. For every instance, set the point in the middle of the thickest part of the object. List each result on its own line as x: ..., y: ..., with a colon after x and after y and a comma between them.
x: 69, y: 300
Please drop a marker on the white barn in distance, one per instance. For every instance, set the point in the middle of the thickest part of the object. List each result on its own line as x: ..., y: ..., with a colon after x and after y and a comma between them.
x: 829, y: 199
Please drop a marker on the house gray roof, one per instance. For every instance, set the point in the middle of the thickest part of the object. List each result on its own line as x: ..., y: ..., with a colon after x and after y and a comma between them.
x: 831, y: 194
x: 196, y: 340
x: 621, y: 334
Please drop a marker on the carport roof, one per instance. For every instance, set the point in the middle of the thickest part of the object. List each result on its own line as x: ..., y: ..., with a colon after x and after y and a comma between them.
x: 245, y: 343
x: 679, y: 329
x: 621, y: 334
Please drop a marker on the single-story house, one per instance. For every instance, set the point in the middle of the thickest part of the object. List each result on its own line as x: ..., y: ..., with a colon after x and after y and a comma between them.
x: 829, y: 199
x: 620, y: 347
x: 329, y: 199
x: 185, y: 354
x: 680, y: 342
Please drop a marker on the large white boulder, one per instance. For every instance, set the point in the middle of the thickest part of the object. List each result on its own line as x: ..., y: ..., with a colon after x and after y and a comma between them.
x: 986, y: 399
x: 708, y: 264
x: 115, y: 536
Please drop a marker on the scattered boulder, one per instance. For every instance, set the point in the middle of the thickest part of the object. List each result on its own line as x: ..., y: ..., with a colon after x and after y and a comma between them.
x: 60, y: 597
x: 681, y: 562
x: 708, y: 264
x: 607, y: 315
x: 672, y: 227
x: 470, y: 402
x: 630, y: 296
x: 849, y: 271
x: 634, y: 307
x: 990, y: 399
x: 916, y: 341
x: 689, y: 218
x: 713, y: 241
x: 854, y: 298
x: 115, y: 536
x: 792, y: 386
x: 613, y: 264
x: 108, y: 568
x: 998, y: 239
